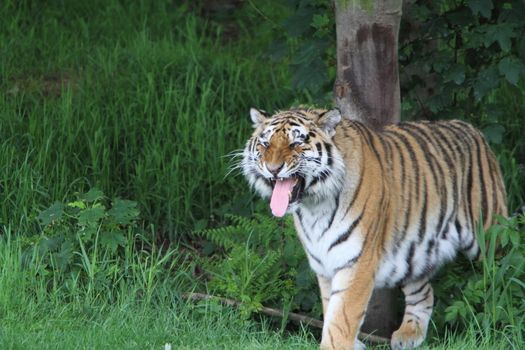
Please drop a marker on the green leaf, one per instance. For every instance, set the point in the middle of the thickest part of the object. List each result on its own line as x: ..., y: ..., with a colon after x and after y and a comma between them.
x: 200, y: 225
x: 124, y: 211
x: 514, y: 238
x: 511, y: 68
x: 299, y: 23
x: 486, y: 80
x: 461, y: 17
x: 77, y: 204
x: 311, y: 76
x: 455, y: 73
x: 113, y: 240
x: 92, y: 195
x: 494, y: 133
x: 320, y: 21
x: 483, y: 7
x: 501, y: 33
x: 91, y: 216
x: 451, y: 313
x: 51, y: 214
x: 504, y: 238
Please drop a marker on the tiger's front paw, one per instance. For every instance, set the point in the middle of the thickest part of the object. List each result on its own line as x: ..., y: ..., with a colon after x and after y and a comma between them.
x: 408, y: 336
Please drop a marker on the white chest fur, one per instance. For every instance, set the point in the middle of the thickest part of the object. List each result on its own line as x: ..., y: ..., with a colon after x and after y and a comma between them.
x: 324, y: 232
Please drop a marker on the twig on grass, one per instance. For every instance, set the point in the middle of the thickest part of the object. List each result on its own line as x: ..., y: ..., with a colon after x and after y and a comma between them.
x: 279, y: 313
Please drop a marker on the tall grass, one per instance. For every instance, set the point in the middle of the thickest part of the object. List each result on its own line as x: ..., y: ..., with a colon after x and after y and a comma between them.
x: 142, y: 101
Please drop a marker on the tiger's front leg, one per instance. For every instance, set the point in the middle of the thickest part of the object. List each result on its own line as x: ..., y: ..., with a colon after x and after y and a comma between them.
x: 351, y: 289
x: 419, y: 301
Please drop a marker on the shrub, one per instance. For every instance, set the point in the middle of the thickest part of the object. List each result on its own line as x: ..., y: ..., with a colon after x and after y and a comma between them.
x: 262, y: 263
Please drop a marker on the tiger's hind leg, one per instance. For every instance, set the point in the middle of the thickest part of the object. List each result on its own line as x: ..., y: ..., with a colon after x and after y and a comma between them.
x: 419, y: 301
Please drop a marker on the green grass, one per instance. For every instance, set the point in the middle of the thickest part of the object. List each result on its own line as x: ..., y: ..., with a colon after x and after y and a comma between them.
x: 145, y: 311
x: 143, y: 101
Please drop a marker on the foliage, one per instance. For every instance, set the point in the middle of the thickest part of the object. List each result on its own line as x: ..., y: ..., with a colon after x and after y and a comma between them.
x: 90, y: 242
x: 490, y: 294
x: 82, y: 226
x: 263, y: 263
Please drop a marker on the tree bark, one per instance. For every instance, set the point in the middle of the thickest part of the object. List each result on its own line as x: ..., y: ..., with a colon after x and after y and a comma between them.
x: 367, y: 89
x: 367, y: 84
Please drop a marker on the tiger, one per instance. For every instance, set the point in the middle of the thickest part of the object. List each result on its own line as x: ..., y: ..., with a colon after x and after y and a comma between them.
x: 375, y: 207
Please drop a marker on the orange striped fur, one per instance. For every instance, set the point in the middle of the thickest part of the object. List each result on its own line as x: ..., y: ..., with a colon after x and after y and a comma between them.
x: 377, y: 208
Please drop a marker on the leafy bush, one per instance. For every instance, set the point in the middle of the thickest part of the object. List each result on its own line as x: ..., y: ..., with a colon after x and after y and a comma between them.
x: 94, y: 244
x: 83, y: 225
x: 263, y: 263
x: 491, y: 293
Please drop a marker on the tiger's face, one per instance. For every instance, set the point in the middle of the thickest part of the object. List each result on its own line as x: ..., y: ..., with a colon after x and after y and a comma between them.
x: 291, y: 157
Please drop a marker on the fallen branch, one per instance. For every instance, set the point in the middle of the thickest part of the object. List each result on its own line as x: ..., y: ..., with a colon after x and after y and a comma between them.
x: 279, y: 313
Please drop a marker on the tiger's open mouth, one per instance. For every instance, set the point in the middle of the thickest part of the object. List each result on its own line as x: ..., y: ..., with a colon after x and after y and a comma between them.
x: 285, y: 191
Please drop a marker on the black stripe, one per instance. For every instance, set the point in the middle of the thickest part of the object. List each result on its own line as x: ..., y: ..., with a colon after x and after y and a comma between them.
x: 423, y: 214
x: 300, y: 217
x: 349, y: 262
x: 319, y: 149
x: 324, y: 175
x: 313, y: 256
x: 331, y: 217
x: 408, y: 260
x: 356, y: 193
x: 482, y: 184
x: 430, y: 245
x: 459, y: 228
x: 329, y: 153
x: 418, y: 290
x: 412, y: 314
x: 369, y: 138
x: 471, y: 244
x: 492, y: 180
x: 337, y: 291
x: 387, y: 151
x: 425, y: 297
x: 342, y: 238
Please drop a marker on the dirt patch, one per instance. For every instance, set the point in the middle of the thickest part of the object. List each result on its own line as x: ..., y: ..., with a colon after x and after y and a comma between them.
x: 49, y: 85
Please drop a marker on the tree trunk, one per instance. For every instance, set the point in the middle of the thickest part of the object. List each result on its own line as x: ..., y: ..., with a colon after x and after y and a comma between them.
x: 367, y: 89
x: 367, y: 84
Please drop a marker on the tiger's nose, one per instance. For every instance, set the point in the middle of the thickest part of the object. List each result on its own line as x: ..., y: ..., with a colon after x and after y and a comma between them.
x: 275, y: 168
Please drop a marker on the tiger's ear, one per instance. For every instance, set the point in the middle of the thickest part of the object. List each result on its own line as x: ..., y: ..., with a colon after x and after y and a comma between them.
x: 329, y: 120
x: 258, y: 116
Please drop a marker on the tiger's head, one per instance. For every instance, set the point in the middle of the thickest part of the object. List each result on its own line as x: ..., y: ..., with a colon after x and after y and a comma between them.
x: 291, y: 157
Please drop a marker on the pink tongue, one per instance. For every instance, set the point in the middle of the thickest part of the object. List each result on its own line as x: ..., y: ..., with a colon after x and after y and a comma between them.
x: 280, y: 196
